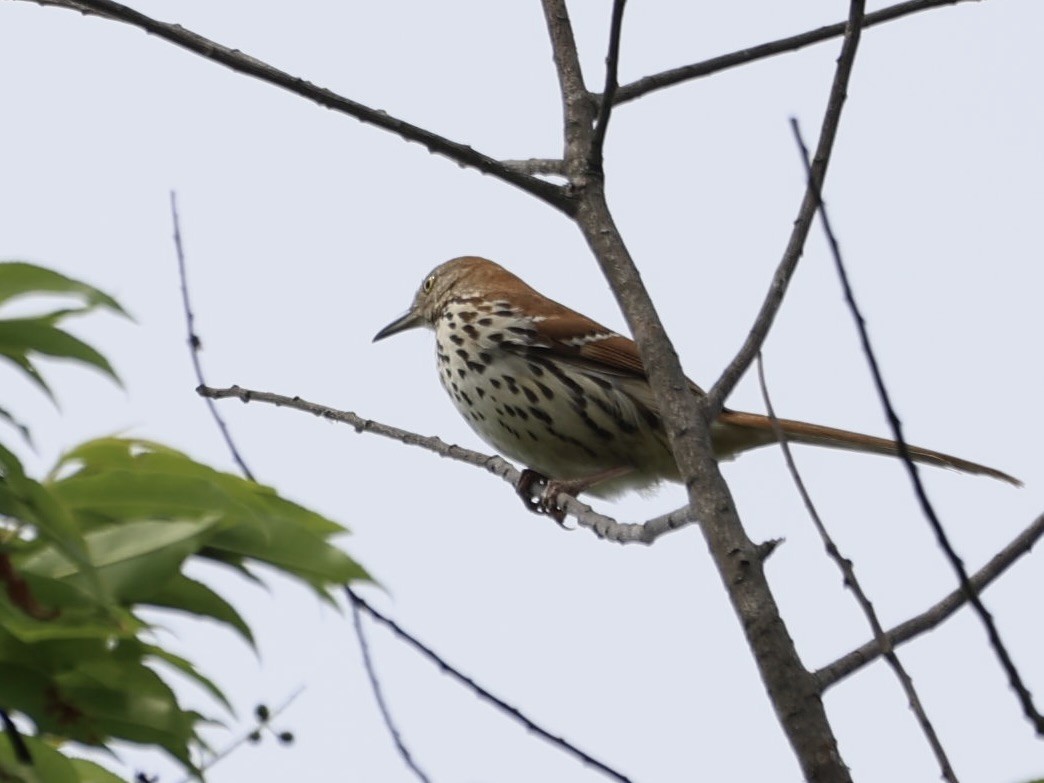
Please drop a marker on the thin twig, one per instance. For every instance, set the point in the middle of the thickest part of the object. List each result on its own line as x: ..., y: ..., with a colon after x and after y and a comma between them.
x: 855, y: 660
x: 1014, y: 679
x: 478, y: 690
x: 795, y: 246
x: 246, y: 736
x: 674, y: 76
x: 601, y: 525
x: 378, y: 692
x: 14, y: 736
x: 551, y: 194
x: 194, y: 343
x: 605, y: 109
x: 847, y: 570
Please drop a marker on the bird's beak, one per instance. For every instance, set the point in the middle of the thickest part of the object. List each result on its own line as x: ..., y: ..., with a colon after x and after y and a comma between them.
x: 411, y: 320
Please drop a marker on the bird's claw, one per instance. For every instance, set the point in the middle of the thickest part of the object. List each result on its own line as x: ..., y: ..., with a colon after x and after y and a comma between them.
x: 524, y: 488
x: 546, y: 501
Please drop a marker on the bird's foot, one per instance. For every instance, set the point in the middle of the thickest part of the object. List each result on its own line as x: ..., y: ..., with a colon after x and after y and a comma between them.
x: 524, y: 488
x: 545, y: 502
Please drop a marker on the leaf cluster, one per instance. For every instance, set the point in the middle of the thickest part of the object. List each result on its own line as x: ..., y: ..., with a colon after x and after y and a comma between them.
x: 107, y: 533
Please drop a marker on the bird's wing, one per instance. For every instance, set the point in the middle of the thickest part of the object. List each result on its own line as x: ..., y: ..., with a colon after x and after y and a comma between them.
x: 596, y: 348
x: 569, y: 338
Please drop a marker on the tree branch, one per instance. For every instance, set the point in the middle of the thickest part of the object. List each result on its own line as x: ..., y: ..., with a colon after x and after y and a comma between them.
x: 659, y: 81
x: 195, y: 344
x: 847, y: 570
x: 551, y: 167
x: 855, y: 660
x: 612, y: 64
x: 792, y: 689
x: 599, y: 524
x: 245, y: 737
x: 992, y: 633
x: 513, y: 712
x: 578, y: 106
x: 378, y: 692
x: 806, y: 212
x: 551, y: 194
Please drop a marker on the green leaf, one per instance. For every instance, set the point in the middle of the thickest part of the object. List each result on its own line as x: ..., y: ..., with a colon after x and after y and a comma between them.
x: 24, y: 688
x: 108, y: 693
x: 133, y: 560
x: 20, y: 337
x: 187, y: 595
x: 89, y: 772
x: 30, y: 502
x: 116, y: 479
x: 185, y: 667
x: 18, y: 278
x: 69, y: 622
x: 49, y: 765
x: 120, y: 697
x: 21, y: 428
x: 22, y: 362
x: 93, y: 691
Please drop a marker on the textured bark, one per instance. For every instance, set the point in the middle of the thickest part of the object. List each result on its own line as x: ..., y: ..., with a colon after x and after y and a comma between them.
x: 793, y: 690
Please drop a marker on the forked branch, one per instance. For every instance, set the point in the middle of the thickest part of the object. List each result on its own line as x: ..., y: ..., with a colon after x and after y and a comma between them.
x: 685, y: 73
x: 792, y: 689
x: 847, y: 570
x: 855, y: 660
x: 806, y: 212
x: 551, y: 194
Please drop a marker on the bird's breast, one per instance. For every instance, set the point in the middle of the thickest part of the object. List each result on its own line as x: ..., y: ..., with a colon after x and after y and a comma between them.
x: 533, y: 406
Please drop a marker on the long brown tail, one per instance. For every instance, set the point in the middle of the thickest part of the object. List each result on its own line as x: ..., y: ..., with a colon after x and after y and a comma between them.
x: 737, y: 431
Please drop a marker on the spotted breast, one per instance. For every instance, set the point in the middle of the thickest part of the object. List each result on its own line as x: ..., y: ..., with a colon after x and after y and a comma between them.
x: 506, y: 383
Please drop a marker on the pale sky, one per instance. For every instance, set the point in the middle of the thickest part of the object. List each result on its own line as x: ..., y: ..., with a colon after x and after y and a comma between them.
x: 306, y: 231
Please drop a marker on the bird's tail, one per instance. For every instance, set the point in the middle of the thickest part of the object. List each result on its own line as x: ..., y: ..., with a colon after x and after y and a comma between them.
x: 737, y: 431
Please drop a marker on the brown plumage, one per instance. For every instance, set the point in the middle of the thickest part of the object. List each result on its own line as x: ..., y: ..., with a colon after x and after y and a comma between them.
x: 568, y: 397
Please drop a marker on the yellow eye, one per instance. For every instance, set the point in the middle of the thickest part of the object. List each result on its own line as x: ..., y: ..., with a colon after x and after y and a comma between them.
x: 427, y: 284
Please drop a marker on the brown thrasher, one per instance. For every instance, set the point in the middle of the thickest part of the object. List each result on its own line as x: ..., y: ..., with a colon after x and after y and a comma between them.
x: 569, y: 398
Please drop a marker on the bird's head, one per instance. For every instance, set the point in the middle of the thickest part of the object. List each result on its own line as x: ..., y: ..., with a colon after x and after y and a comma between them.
x: 467, y: 277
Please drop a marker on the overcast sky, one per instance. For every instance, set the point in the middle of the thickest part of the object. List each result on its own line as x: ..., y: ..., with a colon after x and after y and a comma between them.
x: 307, y: 231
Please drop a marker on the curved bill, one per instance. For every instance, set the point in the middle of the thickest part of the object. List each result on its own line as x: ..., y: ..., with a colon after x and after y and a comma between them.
x: 411, y: 320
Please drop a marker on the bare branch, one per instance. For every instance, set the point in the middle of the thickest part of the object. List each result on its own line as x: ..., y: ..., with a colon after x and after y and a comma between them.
x: 195, y: 344
x: 659, y: 81
x: 1012, y: 672
x: 378, y: 692
x: 246, y: 736
x: 551, y: 194
x: 612, y: 64
x: 550, y: 167
x: 15, y: 738
x: 847, y: 570
x: 855, y: 660
x: 795, y: 246
x: 793, y: 691
x: 791, y: 688
x: 578, y: 106
x: 515, y: 714
x: 601, y: 525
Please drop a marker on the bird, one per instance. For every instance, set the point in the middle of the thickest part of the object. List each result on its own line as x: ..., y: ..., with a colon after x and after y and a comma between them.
x: 570, y: 398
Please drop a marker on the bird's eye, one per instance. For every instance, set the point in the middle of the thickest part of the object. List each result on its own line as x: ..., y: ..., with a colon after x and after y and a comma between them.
x: 428, y: 283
